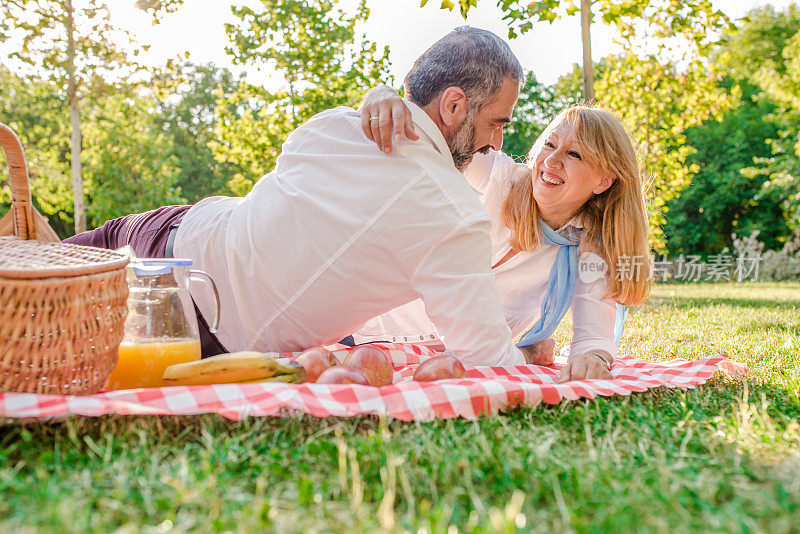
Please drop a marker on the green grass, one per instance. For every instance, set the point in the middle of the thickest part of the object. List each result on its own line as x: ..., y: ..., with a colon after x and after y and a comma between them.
x: 724, y: 457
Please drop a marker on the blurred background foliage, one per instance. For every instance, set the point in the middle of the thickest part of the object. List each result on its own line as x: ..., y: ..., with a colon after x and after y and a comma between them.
x: 716, y: 121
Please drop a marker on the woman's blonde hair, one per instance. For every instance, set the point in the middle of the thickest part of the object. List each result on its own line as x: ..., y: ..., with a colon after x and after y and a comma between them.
x: 614, y: 221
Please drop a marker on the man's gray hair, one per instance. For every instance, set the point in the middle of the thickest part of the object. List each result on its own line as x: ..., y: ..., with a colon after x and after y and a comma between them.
x: 475, y: 60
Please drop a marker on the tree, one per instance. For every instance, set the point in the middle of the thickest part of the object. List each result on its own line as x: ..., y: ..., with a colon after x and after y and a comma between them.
x: 768, y: 48
x: 657, y: 104
x: 81, y: 53
x: 128, y: 161
x: 130, y: 166
x: 744, y: 182
x: 536, y: 107
x: 696, y: 20
x: 324, y: 63
x: 31, y: 108
x: 187, y: 114
x: 721, y: 199
x: 586, y: 47
x: 755, y: 50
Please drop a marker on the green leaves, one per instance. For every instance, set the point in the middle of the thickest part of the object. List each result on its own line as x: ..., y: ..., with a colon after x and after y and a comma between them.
x: 325, y: 63
x: 129, y: 166
x: 722, y: 199
x: 127, y: 161
x: 158, y: 8
x: 697, y: 20
x: 187, y: 114
x: 98, y: 46
x: 36, y: 113
x: 763, y: 52
x: 82, y: 54
x: 657, y: 103
x: 537, y: 105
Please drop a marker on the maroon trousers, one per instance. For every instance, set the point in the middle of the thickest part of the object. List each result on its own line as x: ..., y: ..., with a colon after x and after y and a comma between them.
x: 148, y: 234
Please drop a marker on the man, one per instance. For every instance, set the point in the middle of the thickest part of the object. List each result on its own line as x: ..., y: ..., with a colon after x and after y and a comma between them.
x: 319, y: 246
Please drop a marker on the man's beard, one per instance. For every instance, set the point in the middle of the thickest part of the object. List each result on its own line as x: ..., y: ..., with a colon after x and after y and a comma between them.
x: 462, y: 145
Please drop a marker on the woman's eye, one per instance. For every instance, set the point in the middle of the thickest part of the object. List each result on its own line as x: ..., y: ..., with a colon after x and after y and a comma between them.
x: 548, y: 144
x: 574, y: 154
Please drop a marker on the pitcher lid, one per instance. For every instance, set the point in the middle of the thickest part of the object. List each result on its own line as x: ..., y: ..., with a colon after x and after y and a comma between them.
x: 154, y: 266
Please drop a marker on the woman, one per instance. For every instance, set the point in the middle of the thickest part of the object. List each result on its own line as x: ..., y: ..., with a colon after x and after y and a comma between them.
x: 581, y: 187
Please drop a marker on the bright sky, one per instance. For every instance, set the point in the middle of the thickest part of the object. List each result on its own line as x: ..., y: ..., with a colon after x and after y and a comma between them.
x: 548, y: 50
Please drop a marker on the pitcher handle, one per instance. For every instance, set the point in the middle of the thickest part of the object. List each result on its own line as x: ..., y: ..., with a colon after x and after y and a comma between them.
x: 194, y: 274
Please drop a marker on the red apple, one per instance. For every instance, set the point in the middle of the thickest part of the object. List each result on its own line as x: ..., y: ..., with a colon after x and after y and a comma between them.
x: 342, y: 375
x: 315, y: 361
x: 439, y: 368
x: 373, y: 363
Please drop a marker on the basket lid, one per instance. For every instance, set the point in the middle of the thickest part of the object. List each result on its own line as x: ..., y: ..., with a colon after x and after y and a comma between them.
x: 23, y: 258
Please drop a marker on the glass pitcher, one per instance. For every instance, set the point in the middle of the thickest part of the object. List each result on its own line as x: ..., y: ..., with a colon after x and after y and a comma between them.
x: 161, y: 327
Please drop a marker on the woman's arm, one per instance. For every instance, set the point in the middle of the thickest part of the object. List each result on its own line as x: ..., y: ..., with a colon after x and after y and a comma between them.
x: 383, y: 113
x: 592, y: 350
x: 587, y: 367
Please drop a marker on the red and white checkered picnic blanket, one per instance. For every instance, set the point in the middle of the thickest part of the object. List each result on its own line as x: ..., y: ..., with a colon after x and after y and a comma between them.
x: 485, y: 390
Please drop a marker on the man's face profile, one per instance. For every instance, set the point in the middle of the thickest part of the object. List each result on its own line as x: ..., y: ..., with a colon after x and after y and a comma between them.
x: 484, y: 130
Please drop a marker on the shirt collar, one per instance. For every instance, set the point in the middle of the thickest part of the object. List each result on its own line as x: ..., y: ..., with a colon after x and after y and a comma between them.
x: 575, y: 222
x: 423, y: 120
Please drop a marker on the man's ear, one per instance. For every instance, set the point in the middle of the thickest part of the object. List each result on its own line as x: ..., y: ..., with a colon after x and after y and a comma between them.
x: 453, y: 107
x: 605, y: 182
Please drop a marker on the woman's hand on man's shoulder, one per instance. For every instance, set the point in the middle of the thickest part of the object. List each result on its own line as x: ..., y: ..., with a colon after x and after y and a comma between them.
x: 384, y: 116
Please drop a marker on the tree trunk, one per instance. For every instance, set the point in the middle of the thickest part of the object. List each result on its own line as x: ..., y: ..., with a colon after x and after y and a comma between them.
x: 588, y: 69
x: 75, y: 121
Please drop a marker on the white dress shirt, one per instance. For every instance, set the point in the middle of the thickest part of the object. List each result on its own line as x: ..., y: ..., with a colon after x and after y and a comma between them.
x: 339, y: 233
x: 521, y: 280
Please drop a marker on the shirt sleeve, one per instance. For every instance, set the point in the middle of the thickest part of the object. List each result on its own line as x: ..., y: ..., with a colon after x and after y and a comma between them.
x: 505, y: 171
x: 593, y: 318
x: 479, y: 169
x: 460, y: 296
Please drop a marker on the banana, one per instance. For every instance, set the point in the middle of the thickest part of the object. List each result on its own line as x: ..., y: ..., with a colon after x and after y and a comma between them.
x: 294, y: 378
x: 293, y: 373
x: 233, y: 367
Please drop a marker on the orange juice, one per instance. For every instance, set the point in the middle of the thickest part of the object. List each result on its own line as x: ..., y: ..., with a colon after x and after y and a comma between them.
x: 141, y: 364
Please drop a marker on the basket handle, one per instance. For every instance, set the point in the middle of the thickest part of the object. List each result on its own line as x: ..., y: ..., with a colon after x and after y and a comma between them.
x: 22, y: 220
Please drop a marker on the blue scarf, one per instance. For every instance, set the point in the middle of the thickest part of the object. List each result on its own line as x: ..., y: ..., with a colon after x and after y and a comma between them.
x: 560, y: 286
x: 561, y: 289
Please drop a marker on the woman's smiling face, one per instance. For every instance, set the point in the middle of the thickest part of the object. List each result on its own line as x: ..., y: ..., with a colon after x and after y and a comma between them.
x: 563, y: 178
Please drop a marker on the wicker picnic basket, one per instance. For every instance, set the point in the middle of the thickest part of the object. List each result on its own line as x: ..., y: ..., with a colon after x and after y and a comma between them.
x: 62, y: 306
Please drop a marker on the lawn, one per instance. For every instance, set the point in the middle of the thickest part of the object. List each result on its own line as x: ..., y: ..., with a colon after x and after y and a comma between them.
x: 723, y: 457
